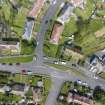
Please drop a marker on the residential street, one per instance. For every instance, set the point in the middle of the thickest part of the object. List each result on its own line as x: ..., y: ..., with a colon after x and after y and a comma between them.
x: 40, y: 36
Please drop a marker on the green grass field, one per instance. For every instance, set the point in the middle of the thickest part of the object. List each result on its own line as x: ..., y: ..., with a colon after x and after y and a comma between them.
x: 16, y: 59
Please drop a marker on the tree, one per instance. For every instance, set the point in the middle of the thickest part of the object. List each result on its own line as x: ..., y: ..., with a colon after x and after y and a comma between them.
x: 99, y: 94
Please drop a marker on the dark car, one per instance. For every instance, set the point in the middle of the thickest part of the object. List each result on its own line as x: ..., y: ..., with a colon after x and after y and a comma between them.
x: 74, y: 65
x: 17, y: 64
x: 46, y: 21
x: 10, y: 64
x: 3, y: 63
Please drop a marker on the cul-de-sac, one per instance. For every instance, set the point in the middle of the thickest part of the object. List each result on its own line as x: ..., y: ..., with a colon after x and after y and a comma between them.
x: 52, y: 52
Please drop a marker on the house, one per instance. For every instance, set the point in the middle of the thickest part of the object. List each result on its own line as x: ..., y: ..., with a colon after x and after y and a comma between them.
x: 65, y: 13
x: 97, y: 63
x: 2, y: 88
x: 56, y: 33
x: 18, y: 89
x: 32, y: 15
x: 12, y: 46
x: 37, y: 94
x: 78, y: 3
x: 37, y: 6
x: 77, y: 99
x: 71, y: 49
x: 28, y: 28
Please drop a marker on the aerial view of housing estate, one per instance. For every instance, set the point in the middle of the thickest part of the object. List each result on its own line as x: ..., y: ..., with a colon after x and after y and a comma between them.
x: 52, y: 52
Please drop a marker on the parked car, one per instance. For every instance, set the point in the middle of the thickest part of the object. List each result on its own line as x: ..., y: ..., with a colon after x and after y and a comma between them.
x: 29, y: 72
x: 3, y: 63
x: 85, y: 84
x: 10, y: 64
x: 46, y: 21
x: 23, y: 71
x: 55, y: 62
x: 54, y: 2
x: 17, y: 64
x: 63, y: 62
x: 74, y: 65
x: 95, y: 77
x: 79, y: 81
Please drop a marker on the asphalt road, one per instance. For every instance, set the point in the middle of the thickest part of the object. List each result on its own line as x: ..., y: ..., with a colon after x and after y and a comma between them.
x: 44, y: 26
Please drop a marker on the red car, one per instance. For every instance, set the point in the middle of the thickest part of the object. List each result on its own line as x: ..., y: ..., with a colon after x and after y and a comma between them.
x: 24, y: 71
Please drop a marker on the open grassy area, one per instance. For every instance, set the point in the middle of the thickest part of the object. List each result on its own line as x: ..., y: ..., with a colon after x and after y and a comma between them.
x: 67, y: 69
x: 86, y: 37
x: 59, y: 67
x: 66, y: 86
x: 50, y: 49
x: 16, y: 59
x: 70, y: 28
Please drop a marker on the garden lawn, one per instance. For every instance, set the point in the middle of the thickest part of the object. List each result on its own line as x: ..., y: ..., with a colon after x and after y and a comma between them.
x: 66, y: 87
x: 70, y: 27
x: 86, y: 37
x: 59, y: 67
x: 50, y: 49
x: 16, y: 59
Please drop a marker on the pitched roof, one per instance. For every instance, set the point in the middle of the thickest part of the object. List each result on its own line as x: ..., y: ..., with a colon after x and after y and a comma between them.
x: 36, y: 8
x: 57, y: 31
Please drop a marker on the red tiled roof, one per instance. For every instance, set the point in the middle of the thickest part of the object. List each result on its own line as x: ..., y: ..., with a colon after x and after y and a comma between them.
x: 79, y: 99
x: 57, y: 31
x: 36, y: 8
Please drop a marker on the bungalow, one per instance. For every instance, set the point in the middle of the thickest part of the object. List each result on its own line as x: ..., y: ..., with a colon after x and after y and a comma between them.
x: 57, y: 31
